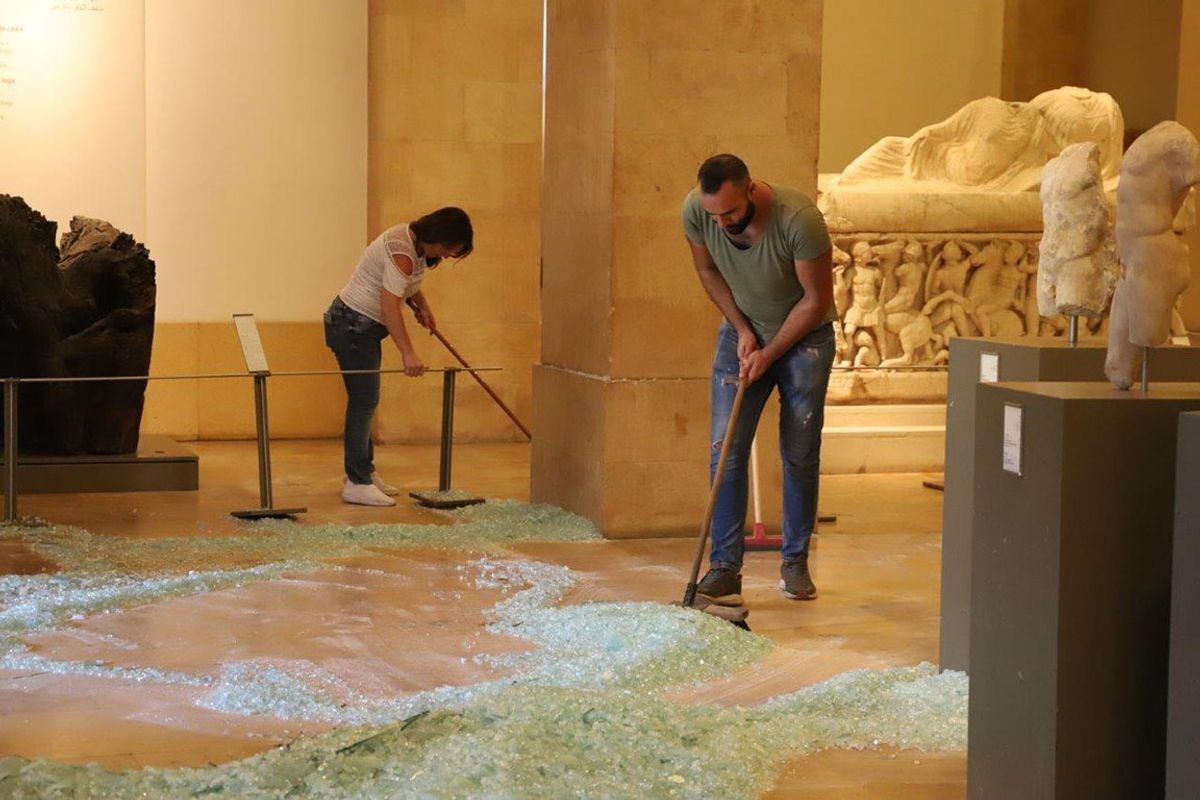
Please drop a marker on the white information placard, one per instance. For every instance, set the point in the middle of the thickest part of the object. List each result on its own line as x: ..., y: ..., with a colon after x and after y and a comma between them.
x: 989, y: 367
x: 1012, y: 438
x: 252, y: 349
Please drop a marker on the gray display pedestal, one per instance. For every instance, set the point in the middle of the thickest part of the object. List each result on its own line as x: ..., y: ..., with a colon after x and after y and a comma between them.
x: 1183, y: 694
x: 1015, y: 360
x: 1070, y: 595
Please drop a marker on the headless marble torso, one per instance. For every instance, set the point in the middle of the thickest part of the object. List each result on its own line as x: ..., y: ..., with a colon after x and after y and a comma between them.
x: 1078, y: 264
x: 1158, y: 171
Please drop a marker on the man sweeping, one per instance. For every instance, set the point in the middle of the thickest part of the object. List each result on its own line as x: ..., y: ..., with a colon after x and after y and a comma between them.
x: 763, y: 254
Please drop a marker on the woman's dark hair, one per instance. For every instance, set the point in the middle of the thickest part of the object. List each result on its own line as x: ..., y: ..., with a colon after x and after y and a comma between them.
x: 447, y: 226
x: 720, y: 168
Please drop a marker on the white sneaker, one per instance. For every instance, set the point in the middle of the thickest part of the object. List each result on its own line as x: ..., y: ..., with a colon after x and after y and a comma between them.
x: 381, y: 485
x: 365, y: 494
x: 384, y: 486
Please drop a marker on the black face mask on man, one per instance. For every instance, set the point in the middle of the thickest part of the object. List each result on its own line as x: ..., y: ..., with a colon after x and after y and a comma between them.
x: 743, y: 223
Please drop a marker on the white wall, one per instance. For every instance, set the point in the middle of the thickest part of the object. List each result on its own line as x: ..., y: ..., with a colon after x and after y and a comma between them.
x: 889, y: 67
x: 230, y: 136
x: 72, y: 132
x: 256, y: 154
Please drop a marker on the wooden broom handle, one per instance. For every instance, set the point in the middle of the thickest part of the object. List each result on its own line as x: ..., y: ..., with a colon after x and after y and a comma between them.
x: 689, y: 596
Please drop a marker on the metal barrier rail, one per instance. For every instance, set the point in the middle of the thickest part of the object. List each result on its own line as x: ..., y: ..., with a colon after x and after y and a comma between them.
x: 267, y: 509
x: 210, y: 375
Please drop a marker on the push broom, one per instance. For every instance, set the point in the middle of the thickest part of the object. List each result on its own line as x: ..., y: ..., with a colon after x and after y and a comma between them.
x: 734, y: 614
x: 758, y: 540
x: 491, y: 392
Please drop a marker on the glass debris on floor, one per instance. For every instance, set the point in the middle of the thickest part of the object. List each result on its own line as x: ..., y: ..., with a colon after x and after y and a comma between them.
x: 540, y: 741
x: 580, y: 714
x: 482, y: 528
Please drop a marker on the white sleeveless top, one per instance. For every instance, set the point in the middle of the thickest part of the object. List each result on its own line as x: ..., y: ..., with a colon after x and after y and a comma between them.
x: 377, y: 271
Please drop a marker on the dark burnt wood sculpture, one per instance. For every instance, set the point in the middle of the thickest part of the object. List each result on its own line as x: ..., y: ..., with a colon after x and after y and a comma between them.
x: 85, y: 311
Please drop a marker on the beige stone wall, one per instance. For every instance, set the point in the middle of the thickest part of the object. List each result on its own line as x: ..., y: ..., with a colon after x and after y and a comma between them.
x: 1132, y: 53
x: 1129, y: 50
x: 306, y: 407
x: 1045, y: 46
x: 893, y: 66
x: 224, y: 409
x: 455, y: 119
x: 634, y: 103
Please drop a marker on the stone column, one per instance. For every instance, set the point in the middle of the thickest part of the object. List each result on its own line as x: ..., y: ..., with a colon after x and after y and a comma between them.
x: 1045, y: 47
x: 636, y: 96
x: 1187, y: 111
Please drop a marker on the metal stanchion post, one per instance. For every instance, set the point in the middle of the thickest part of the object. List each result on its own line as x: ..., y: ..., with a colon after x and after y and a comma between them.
x: 442, y: 498
x: 257, y: 369
x: 448, y: 378
x: 1073, y: 331
x: 266, y: 509
x: 10, y: 449
x: 256, y: 365
x: 264, y: 440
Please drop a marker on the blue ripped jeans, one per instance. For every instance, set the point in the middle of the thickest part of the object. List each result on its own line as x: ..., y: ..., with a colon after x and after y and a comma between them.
x: 355, y: 342
x: 802, y: 377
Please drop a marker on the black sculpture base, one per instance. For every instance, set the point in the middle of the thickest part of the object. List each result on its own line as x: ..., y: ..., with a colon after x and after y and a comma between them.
x: 445, y: 499
x: 160, y: 465
x: 269, y: 513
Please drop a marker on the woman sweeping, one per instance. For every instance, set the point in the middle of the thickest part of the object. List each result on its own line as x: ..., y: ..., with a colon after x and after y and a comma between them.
x: 371, y: 308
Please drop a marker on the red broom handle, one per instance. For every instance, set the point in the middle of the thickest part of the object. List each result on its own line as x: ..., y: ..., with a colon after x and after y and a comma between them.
x: 491, y: 393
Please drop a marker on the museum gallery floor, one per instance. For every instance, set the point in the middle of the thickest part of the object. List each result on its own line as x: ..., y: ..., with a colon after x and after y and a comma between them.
x: 500, y: 651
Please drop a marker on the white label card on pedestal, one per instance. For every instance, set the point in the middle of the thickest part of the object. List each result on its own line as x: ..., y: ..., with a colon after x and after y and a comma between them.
x: 1012, y: 438
x: 252, y: 349
x: 989, y: 367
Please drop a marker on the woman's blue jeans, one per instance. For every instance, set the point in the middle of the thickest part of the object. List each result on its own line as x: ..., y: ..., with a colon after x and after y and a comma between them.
x: 355, y: 341
x: 802, y: 377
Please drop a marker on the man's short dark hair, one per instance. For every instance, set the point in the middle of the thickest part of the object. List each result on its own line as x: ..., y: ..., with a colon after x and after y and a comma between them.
x: 448, y: 226
x: 720, y: 168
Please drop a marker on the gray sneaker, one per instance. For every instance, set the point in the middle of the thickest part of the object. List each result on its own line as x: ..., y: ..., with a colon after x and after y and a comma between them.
x: 721, y: 586
x: 794, y: 580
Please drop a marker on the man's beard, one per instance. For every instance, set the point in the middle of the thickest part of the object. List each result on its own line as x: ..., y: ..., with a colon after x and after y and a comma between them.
x: 743, y: 223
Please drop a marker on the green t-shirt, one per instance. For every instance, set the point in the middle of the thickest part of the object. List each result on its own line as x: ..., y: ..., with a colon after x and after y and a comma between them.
x: 763, y: 277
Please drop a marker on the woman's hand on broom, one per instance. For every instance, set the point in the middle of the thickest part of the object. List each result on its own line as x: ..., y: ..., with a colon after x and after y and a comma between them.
x: 414, y: 367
